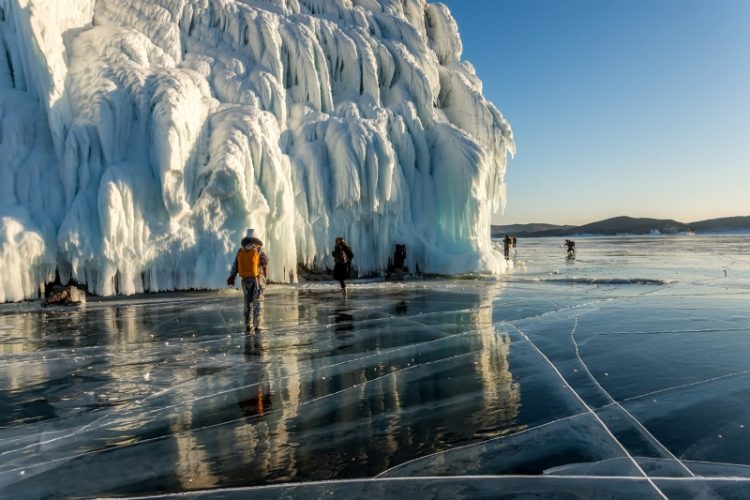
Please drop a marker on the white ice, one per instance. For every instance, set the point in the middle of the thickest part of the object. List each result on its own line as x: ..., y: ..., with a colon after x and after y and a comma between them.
x: 139, y: 138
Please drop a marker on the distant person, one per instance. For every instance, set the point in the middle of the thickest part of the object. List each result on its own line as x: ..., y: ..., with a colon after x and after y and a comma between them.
x: 399, y: 257
x: 397, y: 266
x: 515, y: 240
x: 342, y: 258
x: 507, y: 241
x: 571, y: 245
x: 247, y: 265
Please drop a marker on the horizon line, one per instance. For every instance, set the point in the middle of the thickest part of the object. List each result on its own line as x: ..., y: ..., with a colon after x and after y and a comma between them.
x: 618, y: 217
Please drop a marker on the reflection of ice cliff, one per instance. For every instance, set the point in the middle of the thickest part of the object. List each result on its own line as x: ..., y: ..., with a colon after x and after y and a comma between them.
x: 140, y: 137
x: 331, y: 391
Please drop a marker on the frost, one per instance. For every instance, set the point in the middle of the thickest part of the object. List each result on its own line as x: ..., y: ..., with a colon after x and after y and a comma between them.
x: 140, y: 138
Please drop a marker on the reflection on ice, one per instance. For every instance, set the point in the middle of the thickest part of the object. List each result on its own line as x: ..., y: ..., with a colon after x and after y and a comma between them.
x: 596, y: 387
x: 332, y: 388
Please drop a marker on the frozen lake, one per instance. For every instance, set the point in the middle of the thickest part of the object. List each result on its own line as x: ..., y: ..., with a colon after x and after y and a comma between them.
x: 622, y: 373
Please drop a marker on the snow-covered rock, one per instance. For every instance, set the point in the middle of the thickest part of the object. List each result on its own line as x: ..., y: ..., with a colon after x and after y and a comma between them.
x: 139, y: 138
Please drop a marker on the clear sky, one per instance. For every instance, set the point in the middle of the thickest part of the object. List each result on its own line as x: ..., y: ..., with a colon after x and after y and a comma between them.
x: 638, y: 107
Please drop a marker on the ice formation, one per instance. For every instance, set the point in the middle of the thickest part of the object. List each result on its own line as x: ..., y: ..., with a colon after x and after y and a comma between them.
x: 139, y: 138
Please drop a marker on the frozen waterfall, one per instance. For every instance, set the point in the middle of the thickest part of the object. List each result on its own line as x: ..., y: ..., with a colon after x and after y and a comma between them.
x: 139, y: 138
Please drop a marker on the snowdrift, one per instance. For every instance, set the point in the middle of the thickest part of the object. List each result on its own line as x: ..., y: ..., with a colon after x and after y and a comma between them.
x: 139, y: 138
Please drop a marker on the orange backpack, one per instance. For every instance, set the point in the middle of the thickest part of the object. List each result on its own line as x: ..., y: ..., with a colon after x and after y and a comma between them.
x: 247, y: 262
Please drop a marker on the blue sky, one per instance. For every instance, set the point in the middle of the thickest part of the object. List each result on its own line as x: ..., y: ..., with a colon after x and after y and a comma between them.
x: 638, y: 107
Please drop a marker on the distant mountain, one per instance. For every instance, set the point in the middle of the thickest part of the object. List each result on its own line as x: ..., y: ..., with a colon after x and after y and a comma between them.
x: 624, y: 225
x: 524, y: 229
x: 630, y: 225
x: 723, y: 225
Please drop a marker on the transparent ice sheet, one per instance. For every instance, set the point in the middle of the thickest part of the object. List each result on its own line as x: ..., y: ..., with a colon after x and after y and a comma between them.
x: 572, y: 381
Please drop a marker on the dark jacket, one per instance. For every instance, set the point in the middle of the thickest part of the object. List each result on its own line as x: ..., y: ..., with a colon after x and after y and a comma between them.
x: 342, y: 257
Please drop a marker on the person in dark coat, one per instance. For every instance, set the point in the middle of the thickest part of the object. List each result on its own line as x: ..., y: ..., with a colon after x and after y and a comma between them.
x: 571, y: 245
x: 507, y: 241
x: 342, y: 258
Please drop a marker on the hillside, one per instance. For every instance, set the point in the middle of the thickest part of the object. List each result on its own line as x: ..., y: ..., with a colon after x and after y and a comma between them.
x: 630, y: 225
x: 524, y: 229
x: 725, y: 224
x: 627, y: 225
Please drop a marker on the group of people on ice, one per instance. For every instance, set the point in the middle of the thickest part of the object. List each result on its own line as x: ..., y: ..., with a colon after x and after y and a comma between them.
x: 251, y: 264
x: 511, y: 241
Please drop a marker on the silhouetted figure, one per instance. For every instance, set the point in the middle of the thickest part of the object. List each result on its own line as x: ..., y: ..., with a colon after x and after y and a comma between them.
x: 399, y: 257
x: 515, y: 240
x: 571, y: 245
x: 342, y: 258
x: 397, y: 266
x: 507, y: 242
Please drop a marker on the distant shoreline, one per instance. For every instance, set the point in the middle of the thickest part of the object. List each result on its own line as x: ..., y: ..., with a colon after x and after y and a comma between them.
x: 622, y: 226
x: 629, y: 235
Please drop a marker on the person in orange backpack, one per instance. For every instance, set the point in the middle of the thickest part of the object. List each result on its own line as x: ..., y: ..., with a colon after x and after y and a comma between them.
x: 247, y: 265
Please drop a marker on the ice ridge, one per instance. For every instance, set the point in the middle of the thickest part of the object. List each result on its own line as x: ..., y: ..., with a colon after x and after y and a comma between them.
x: 139, y: 138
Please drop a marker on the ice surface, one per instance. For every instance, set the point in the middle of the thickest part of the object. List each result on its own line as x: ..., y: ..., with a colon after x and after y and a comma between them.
x: 140, y: 138
x: 620, y: 374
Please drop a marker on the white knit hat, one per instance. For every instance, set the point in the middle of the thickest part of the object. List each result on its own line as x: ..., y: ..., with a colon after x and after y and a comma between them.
x: 250, y: 233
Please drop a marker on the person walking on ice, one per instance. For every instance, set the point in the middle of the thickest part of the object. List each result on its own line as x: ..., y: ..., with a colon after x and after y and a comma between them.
x: 249, y: 261
x: 507, y: 241
x: 571, y: 246
x: 342, y: 258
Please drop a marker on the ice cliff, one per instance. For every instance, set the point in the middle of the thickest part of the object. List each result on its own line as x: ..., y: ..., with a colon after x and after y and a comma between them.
x: 139, y: 138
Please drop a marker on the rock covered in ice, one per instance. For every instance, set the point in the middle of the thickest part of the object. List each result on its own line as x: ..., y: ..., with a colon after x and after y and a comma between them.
x: 65, y: 296
x: 139, y: 138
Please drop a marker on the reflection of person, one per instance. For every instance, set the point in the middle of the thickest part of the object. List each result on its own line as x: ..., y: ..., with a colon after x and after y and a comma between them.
x: 254, y: 399
x: 342, y: 258
x: 247, y: 265
x: 252, y: 347
x: 343, y: 319
x: 401, y: 307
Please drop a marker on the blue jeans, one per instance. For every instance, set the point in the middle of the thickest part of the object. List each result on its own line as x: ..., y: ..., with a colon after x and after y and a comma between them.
x: 250, y: 288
